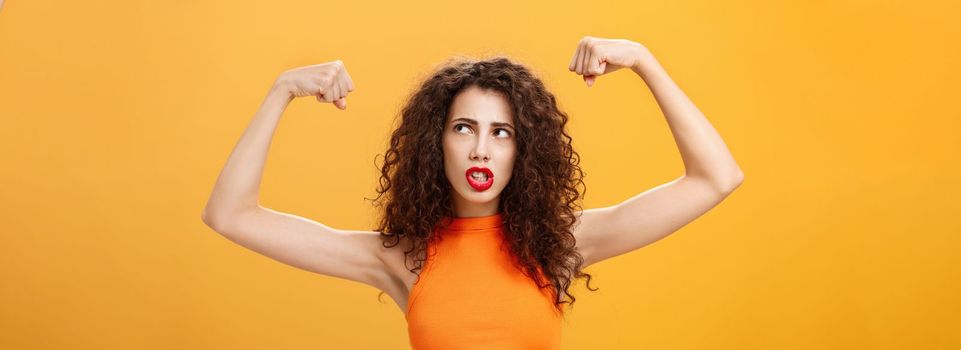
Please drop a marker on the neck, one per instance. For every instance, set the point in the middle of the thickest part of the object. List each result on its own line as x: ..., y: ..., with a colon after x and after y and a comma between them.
x: 470, y: 210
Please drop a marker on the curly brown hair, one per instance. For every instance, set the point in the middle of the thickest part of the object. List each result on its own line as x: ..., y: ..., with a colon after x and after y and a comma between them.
x: 539, y: 203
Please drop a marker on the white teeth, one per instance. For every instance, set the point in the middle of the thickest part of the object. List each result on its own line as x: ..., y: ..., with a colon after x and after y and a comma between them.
x: 479, y: 176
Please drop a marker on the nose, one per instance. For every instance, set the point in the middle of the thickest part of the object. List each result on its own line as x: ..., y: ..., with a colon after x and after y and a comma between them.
x: 480, y: 151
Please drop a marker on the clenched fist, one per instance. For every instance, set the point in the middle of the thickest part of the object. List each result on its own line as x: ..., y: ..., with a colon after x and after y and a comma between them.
x: 595, y: 57
x: 329, y: 82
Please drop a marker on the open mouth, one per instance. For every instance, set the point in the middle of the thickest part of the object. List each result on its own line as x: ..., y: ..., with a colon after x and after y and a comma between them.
x: 480, y: 178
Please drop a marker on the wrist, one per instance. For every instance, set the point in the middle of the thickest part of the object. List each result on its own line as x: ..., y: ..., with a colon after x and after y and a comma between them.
x: 644, y: 60
x: 279, y: 91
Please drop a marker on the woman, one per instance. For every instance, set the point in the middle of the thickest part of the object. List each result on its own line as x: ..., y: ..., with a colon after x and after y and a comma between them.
x: 478, y: 190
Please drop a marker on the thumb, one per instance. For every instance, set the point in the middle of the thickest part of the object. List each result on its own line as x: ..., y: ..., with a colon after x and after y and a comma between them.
x: 341, y: 103
x: 596, y: 65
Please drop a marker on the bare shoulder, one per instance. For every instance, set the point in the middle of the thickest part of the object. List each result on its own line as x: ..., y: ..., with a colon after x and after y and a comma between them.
x: 586, y: 221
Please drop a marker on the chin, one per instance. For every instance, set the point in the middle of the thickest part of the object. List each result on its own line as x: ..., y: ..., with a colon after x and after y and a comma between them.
x: 480, y: 197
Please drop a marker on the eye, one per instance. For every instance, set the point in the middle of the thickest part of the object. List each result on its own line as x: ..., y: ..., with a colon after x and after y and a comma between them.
x: 457, y: 126
x: 506, y: 132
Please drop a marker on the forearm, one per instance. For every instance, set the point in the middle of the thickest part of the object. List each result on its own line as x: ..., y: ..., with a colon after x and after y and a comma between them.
x: 238, y: 185
x: 704, y: 153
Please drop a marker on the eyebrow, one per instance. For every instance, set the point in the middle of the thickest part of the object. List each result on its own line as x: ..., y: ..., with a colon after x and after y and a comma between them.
x: 474, y: 122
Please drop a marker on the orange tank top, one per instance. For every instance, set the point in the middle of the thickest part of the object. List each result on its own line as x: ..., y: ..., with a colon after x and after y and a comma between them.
x: 469, y: 295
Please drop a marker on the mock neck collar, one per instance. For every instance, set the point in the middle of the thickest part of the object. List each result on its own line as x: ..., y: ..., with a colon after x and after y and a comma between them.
x: 473, y: 223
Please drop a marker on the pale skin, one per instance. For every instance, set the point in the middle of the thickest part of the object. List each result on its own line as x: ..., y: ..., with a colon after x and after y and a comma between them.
x: 479, y: 131
x: 234, y: 211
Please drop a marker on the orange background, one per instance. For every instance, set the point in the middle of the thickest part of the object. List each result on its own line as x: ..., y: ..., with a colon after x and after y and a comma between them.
x: 117, y: 117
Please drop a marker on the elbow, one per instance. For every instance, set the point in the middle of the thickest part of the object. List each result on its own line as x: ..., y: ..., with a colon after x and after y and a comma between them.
x: 732, y: 182
x: 220, y: 219
x: 207, y: 219
x: 204, y: 217
x: 723, y: 183
x: 212, y: 220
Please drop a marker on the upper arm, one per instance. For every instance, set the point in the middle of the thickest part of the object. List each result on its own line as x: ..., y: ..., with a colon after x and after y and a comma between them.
x: 308, y: 245
x: 606, y: 232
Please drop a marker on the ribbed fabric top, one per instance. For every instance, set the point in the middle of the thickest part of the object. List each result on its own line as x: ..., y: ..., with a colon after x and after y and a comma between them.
x: 469, y: 295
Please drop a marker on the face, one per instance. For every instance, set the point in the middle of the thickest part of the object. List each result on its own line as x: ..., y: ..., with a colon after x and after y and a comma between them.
x: 478, y: 132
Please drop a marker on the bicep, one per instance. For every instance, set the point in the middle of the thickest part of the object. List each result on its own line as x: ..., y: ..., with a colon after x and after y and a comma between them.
x: 643, y: 219
x: 309, y: 245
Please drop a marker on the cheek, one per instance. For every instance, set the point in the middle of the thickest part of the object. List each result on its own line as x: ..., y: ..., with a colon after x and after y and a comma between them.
x: 448, y: 148
x: 449, y: 143
x: 445, y: 156
x: 508, y: 168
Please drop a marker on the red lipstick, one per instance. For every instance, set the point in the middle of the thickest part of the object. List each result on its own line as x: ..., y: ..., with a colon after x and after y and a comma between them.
x: 477, y: 184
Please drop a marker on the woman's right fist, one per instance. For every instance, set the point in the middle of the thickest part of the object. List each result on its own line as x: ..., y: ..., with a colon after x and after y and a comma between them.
x: 328, y: 81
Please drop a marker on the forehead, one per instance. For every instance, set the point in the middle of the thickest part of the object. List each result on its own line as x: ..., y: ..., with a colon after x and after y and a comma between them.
x: 485, y: 106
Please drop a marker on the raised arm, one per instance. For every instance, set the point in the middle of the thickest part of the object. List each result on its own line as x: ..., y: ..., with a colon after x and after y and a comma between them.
x: 710, y: 172
x: 233, y: 209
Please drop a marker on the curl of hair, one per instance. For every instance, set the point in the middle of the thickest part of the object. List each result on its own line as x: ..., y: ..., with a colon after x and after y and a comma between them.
x: 539, y: 203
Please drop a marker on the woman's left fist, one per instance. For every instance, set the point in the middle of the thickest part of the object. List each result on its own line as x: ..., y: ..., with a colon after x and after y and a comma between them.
x: 597, y: 56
